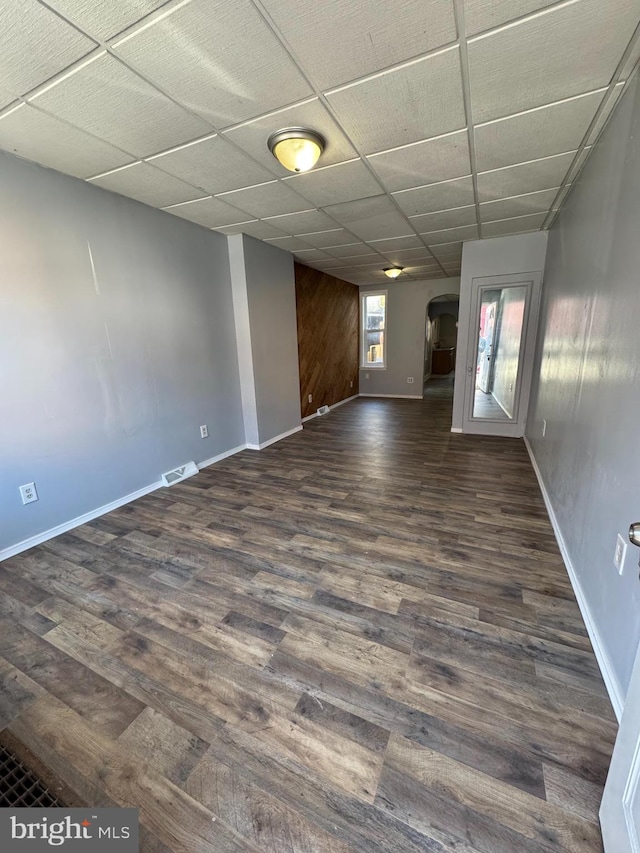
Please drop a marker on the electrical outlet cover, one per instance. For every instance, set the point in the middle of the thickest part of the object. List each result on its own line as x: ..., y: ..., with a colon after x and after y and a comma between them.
x: 620, y: 553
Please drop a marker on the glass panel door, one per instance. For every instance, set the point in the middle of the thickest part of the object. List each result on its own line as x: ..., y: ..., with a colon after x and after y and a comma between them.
x: 500, y: 323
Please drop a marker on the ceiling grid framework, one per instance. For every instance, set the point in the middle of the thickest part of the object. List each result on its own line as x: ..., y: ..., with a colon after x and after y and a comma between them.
x: 445, y: 120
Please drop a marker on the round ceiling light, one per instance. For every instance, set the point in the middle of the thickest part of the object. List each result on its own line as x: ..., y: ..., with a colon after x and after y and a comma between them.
x: 393, y: 272
x: 296, y: 148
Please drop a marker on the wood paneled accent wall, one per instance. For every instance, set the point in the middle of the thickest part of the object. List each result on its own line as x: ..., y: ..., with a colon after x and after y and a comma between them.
x: 328, y: 327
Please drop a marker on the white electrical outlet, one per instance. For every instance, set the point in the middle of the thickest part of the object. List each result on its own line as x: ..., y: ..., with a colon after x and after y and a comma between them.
x: 351, y: 384
x: 544, y: 427
x: 28, y: 493
x: 619, y: 554
x: 409, y: 380
x: 366, y: 376
x: 311, y: 398
x: 204, y: 432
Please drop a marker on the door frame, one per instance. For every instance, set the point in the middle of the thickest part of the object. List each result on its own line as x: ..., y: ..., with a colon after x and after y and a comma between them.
x: 620, y: 832
x: 485, y: 426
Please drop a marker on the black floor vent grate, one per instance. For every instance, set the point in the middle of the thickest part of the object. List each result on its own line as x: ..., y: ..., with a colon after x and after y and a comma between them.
x: 20, y: 788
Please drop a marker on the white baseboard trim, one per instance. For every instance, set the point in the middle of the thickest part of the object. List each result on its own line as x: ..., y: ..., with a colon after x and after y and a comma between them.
x: 333, y: 406
x: 610, y: 679
x: 52, y: 532
x: 39, y: 538
x: 346, y: 400
x: 396, y: 396
x: 273, y: 440
x: 221, y: 456
x: 456, y: 429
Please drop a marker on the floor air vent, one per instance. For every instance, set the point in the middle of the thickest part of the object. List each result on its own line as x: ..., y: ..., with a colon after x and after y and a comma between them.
x: 179, y: 474
x: 323, y: 410
x: 20, y: 788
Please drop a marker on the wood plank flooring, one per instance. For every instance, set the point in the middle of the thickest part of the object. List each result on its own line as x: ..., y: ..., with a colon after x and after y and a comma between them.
x: 359, y: 640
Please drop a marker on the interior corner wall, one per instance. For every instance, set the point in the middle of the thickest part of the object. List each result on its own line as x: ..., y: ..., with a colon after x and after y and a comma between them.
x: 265, y: 314
x: 328, y: 312
x: 520, y: 253
x: 117, y: 343
x: 587, y: 385
x: 407, y: 303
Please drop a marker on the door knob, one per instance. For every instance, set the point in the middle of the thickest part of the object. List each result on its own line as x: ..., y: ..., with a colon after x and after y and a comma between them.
x: 634, y: 534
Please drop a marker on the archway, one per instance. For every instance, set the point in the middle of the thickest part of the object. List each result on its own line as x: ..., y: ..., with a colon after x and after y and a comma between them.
x: 441, y: 332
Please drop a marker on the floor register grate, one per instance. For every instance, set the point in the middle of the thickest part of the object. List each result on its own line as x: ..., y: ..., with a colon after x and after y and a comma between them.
x: 20, y: 788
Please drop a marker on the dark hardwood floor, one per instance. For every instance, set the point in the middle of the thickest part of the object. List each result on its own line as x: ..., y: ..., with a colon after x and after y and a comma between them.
x: 359, y: 640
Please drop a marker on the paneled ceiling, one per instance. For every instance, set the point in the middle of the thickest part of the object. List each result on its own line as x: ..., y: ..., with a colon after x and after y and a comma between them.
x: 445, y: 120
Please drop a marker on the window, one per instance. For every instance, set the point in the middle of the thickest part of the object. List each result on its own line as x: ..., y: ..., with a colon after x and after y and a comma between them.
x: 374, y: 324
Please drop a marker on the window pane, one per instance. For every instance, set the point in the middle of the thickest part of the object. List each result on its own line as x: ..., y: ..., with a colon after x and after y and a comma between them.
x: 375, y: 311
x: 374, y: 350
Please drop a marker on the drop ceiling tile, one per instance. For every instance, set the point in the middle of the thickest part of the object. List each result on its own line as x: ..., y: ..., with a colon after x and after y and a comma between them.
x: 328, y: 239
x: 443, y: 251
x: 480, y: 15
x: 326, y: 265
x: 411, y: 256
x: 445, y: 219
x: 524, y: 177
x: 237, y: 228
x: 309, y: 255
x: 570, y: 49
x: 610, y: 103
x: 449, y: 235
x: 291, y: 244
x: 370, y: 218
x: 210, y: 212
x: 420, y: 271
x: 103, y: 20
x: 351, y: 250
x: 252, y: 136
x: 212, y: 164
x: 393, y: 243
x: 302, y: 223
x: 336, y: 184
x: 444, y: 196
x: 37, y: 136
x: 372, y: 35
x: 509, y: 208
x: 217, y: 58
x: 149, y: 185
x: 533, y: 222
x: 35, y: 44
x: 266, y: 199
x: 416, y: 101
x: 254, y: 228
x: 538, y: 133
x: 422, y: 163
x: 372, y: 260
x: 108, y: 100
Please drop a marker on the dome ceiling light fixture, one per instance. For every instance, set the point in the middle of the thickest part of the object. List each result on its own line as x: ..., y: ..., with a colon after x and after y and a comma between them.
x: 296, y: 148
x: 393, y: 272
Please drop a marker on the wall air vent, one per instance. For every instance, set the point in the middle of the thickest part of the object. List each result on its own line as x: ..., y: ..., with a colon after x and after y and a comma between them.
x: 323, y: 410
x: 179, y: 474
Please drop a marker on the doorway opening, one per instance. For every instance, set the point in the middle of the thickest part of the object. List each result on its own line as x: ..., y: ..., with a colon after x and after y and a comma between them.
x: 441, y: 333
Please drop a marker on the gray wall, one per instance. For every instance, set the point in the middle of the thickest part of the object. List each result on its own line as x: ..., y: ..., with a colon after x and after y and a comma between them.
x: 406, y: 329
x: 266, y: 324
x: 521, y: 253
x: 106, y: 372
x: 588, y: 388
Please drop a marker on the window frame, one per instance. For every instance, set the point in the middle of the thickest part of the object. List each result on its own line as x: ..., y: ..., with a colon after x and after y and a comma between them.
x: 364, y: 364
